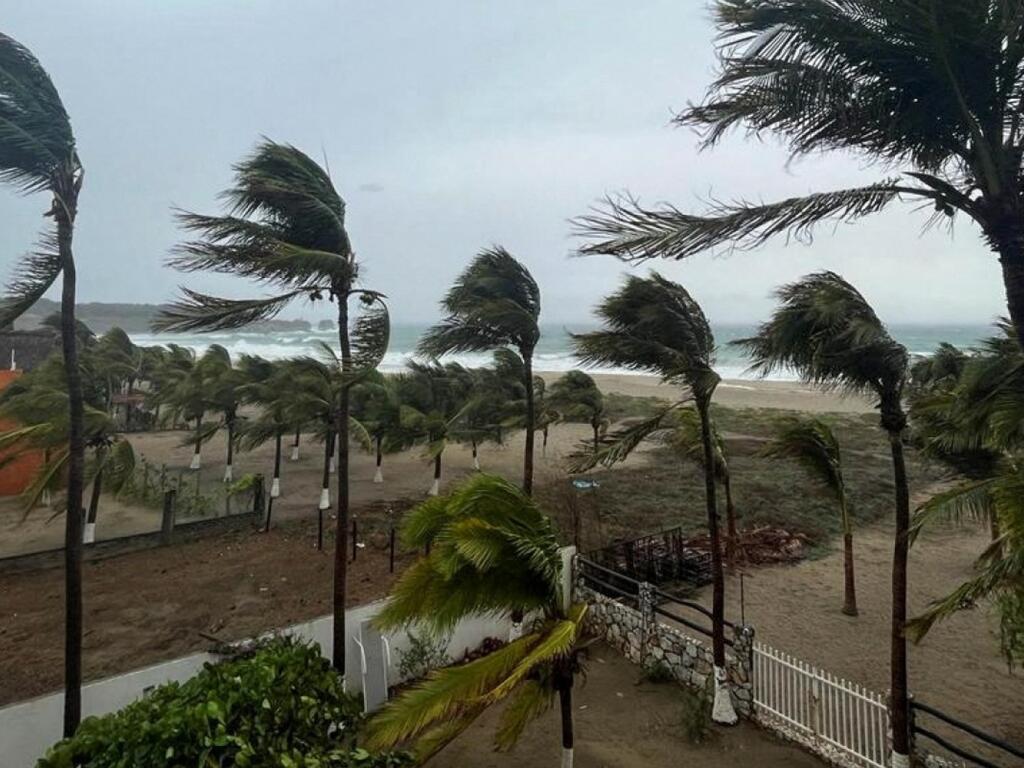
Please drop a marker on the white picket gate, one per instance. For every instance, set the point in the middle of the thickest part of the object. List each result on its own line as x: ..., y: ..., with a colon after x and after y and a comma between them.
x: 825, y: 712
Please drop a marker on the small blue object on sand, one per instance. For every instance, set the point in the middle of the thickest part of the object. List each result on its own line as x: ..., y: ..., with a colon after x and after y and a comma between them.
x: 585, y: 485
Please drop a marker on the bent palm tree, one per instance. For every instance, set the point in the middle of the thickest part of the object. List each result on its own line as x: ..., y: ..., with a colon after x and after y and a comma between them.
x: 813, y: 444
x: 286, y: 228
x: 576, y: 397
x: 654, y: 325
x: 38, y: 154
x: 931, y: 87
x: 826, y: 332
x: 492, y: 552
x: 494, y: 303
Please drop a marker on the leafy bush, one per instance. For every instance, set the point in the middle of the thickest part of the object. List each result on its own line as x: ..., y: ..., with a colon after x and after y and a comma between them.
x: 695, y: 717
x: 657, y: 671
x: 282, y: 706
x: 425, y: 653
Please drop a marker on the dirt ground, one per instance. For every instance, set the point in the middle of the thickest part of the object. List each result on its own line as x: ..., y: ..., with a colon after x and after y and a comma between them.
x: 957, y: 668
x: 622, y: 722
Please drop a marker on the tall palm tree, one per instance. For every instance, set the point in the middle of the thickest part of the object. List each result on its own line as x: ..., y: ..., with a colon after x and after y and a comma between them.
x: 492, y: 551
x: 813, y: 444
x: 377, y: 406
x: 285, y: 227
x: 826, y: 332
x: 931, y: 87
x: 38, y: 154
x: 495, y: 303
x: 654, y: 325
x: 576, y: 397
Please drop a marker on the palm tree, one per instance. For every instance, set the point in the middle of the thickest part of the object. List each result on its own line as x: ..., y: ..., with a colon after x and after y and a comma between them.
x: 827, y: 332
x: 434, y: 400
x: 492, y: 551
x: 932, y: 88
x: 221, y: 393
x: 576, y: 397
x: 813, y: 444
x: 377, y: 406
x: 38, y: 154
x: 495, y: 303
x: 286, y: 228
x: 686, y: 437
x: 652, y: 324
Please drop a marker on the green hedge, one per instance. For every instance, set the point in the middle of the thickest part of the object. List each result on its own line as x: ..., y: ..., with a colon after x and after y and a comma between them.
x: 281, y: 706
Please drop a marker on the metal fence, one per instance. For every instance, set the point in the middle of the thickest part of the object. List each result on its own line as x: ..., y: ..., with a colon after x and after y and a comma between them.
x: 656, y: 559
x: 998, y: 753
x: 823, y: 710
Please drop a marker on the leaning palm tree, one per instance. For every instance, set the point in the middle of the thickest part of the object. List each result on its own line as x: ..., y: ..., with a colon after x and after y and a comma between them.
x: 492, y: 552
x: 654, y: 325
x: 813, y: 444
x: 285, y: 227
x: 827, y: 333
x: 576, y: 397
x: 38, y: 154
x: 495, y: 303
x: 377, y: 407
x: 932, y: 88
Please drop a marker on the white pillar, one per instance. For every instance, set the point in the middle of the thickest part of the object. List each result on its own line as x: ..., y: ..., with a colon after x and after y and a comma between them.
x: 196, y: 461
x: 228, y: 475
x: 435, y: 488
x: 275, y: 488
x: 334, y: 466
x: 295, y: 453
x: 476, y: 463
x: 46, y: 499
x: 900, y: 761
x: 566, y: 758
x: 722, y: 712
x: 325, y: 498
x: 89, y: 534
x: 379, y: 477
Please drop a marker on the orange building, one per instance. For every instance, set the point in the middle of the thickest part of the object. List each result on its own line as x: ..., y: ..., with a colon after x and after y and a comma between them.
x: 17, y: 475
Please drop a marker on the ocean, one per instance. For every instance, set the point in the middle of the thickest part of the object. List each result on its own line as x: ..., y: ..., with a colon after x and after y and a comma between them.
x: 554, y: 353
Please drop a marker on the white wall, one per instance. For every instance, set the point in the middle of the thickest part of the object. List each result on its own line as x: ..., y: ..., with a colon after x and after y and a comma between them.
x: 28, y: 728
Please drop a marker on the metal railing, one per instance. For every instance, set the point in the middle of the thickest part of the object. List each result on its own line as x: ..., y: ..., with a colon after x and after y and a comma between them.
x: 997, y: 745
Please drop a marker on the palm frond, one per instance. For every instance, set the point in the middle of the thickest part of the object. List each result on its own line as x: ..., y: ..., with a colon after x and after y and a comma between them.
x: 33, y: 277
x: 617, y: 446
x: 200, y: 311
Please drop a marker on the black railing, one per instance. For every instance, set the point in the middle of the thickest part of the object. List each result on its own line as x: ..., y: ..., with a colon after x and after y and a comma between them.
x: 999, y: 746
x: 657, y: 559
x: 664, y: 603
x: 609, y: 583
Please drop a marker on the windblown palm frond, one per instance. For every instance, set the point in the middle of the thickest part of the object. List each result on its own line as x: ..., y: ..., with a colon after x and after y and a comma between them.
x: 813, y: 444
x: 491, y: 551
x: 616, y: 446
x: 828, y: 334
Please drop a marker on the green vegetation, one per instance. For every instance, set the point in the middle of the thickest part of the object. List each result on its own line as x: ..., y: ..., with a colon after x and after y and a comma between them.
x: 281, y: 706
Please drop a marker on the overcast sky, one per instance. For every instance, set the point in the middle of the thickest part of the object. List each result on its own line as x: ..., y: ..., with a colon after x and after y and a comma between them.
x: 448, y: 126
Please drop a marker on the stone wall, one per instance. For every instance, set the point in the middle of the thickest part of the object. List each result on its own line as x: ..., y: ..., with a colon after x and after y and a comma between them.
x: 633, y: 629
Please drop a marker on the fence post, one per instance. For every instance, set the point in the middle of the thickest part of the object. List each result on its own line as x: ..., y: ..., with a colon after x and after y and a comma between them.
x: 648, y: 621
x: 743, y: 669
x: 167, y: 524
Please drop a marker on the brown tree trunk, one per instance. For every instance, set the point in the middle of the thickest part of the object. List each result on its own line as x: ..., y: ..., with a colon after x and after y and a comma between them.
x: 328, y: 445
x: 565, y: 707
x: 731, y: 535
x: 341, y: 541
x: 530, y: 420
x: 231, y: 441
x: 597, y: 436
x: 277, y: 455
x: 717, y: 576
x: 898, y: 651
x: 1011, y: 258
x: 94, y: 499
x: 850, y: 583
x: 76, y: 471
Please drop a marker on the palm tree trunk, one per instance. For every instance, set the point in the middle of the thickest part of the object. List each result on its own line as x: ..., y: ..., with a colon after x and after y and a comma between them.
x: 76, y: 471
x: 436, y: 487
x: 228, y: 470
x: 565, y: 705
x: 275, y: 486
x: 597, y: 436
x: 1011, y: 258
x: 295, y: 445
x: 530, y: 421
x: 94, y: 504
x: 325, y: 492
x: 379, y: 475
x: 476, y: 460
x: 544, y: 445
x: 898, y: 652
x: 850, y: 583
x: 723, y: 711
x: 731, y: 535
x: 341, y: 537
x: 196, y: 455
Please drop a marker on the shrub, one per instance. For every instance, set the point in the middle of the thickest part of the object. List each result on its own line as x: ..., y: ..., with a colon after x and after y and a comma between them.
x: 695, y: 716
x: 657, y: 671
x: 425, y: 653
x: 282, y: 705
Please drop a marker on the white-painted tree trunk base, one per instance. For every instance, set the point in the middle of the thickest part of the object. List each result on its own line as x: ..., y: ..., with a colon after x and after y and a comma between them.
x: 476, y: 463
x: 229, y: 475
x: 900, y: 761
x: 379, y: 477
x: 325, y: 498
x: 334, y: 466
x: 515, y: 632
x: 46, y: 498
x: 89, y: 534
x: 722, y: 712
x: 434, y: 489
x: 275, y: 488
x: 295, y: 453
x: 566, y: 758
x: 197, y: 461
